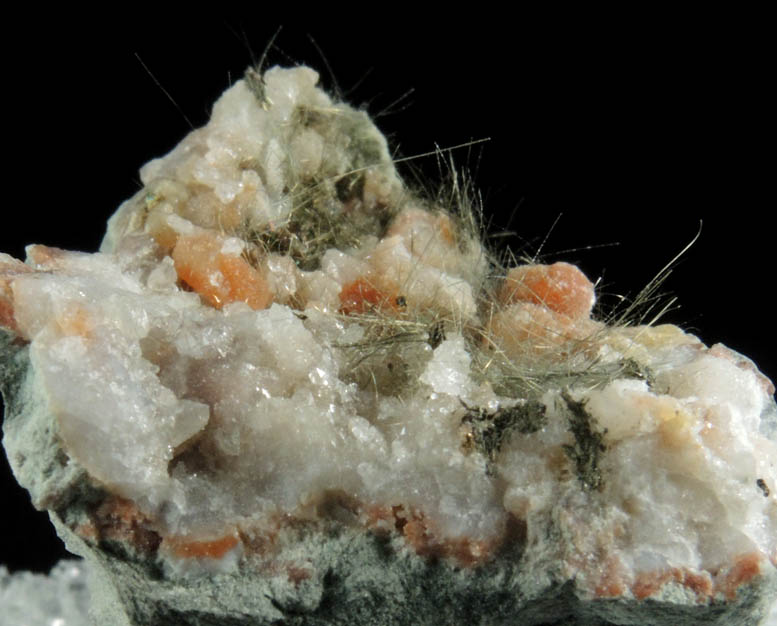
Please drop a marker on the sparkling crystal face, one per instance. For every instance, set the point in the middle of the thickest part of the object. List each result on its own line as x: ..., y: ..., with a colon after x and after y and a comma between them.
x: 276, y: 328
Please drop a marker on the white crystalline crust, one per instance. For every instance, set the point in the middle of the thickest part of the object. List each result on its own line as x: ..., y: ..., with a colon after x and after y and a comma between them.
x: 59, y: 599
x: 212, y: 415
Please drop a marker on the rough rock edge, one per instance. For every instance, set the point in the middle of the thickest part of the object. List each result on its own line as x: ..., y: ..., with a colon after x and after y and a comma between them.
x: 358, y: 577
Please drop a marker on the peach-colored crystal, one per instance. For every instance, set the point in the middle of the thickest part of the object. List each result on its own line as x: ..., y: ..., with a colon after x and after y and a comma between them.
x: 219, y: 278
x: 560, y: 287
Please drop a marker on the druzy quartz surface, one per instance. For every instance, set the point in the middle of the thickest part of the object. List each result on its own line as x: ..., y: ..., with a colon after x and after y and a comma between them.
x: 280, y: 343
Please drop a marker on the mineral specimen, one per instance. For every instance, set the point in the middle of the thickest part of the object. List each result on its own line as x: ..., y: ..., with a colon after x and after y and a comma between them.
x: 288, y: 390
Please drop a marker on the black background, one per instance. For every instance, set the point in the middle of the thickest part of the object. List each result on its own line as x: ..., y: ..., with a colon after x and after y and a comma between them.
x: 626, y: 138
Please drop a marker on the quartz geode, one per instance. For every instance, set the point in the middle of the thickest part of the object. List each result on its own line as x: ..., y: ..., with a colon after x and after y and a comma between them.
x: 287, y: 390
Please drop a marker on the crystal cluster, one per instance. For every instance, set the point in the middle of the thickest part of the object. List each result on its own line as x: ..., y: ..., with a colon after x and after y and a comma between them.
x: 285, y: 372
